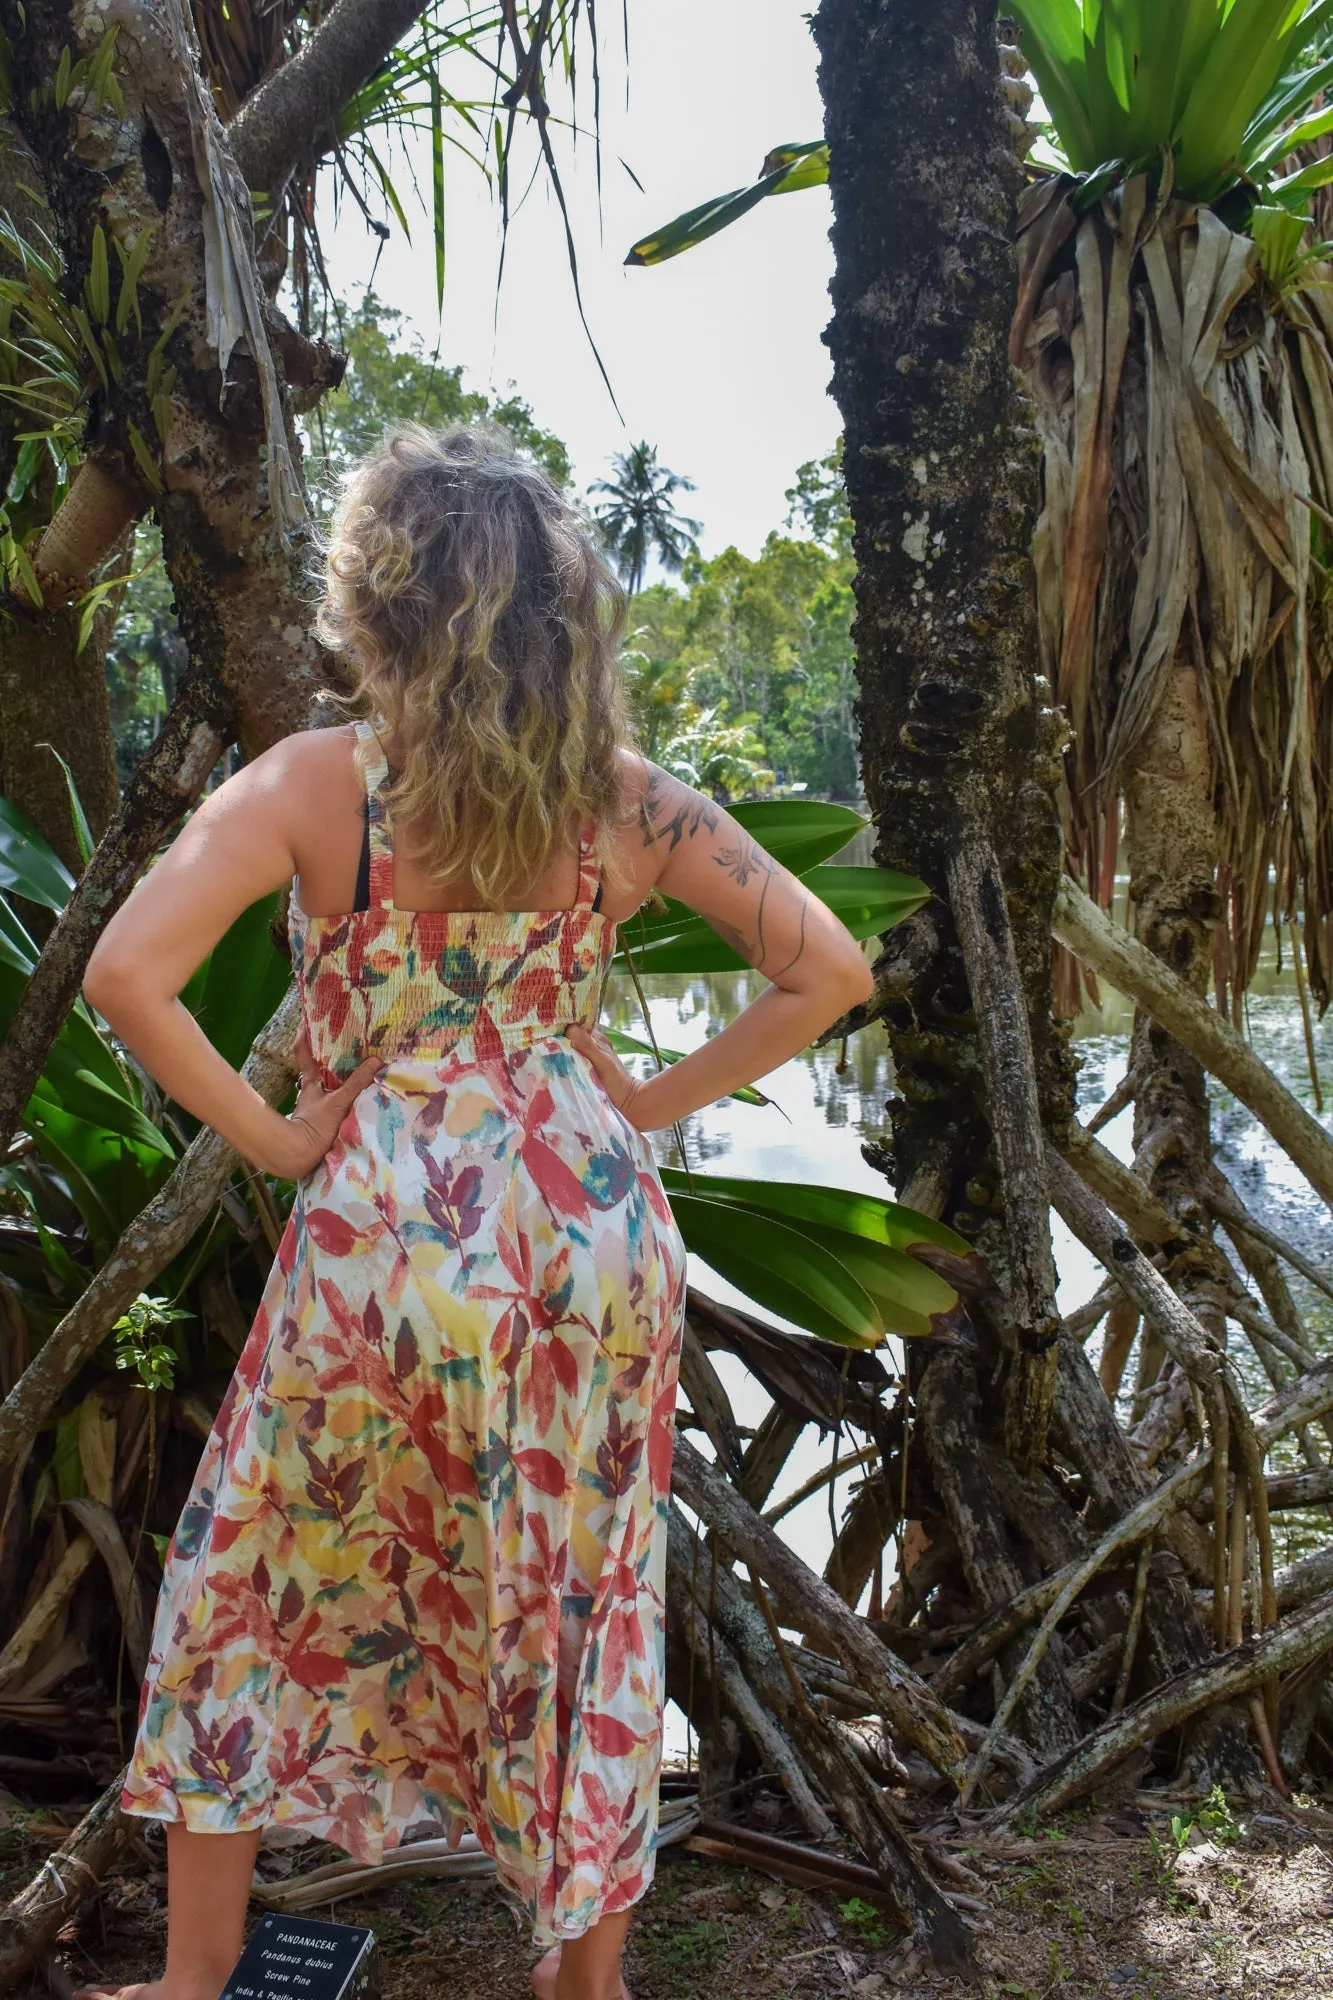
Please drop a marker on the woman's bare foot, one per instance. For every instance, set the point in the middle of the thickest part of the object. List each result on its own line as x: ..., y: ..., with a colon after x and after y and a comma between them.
x: 547, y: 1970
x: 545, y: 1973
x: 156, y: 1989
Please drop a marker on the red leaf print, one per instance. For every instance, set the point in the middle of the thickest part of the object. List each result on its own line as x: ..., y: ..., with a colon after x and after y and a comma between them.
x: 223, y: 1532
x: 542, y: 1469
x: 565, y: 1366
x: 608, y: 1736
x: 380, y: 1582
x: 487, y: 1039
x: 562, y: 1188
x: 541, y: 1383
x: 332, y: 1232
x: 287, y: 1247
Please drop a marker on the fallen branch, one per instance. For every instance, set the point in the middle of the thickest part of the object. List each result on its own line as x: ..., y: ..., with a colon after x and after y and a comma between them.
x: 1288, y: 1490
x: 30, y: 1923
x: 1186, y: 1341
x: 864, y: 1808
x: 1224, y: 1205
x: 1283, y: 1648
x: 1134, y: 971
x: 1299, y: 1583
x: 50, y: 1601
x: 1292, y: 1408
x: 981, y: 917
x: 720, y: 1666
x: 433, y: 1859
x: 907, y: 1703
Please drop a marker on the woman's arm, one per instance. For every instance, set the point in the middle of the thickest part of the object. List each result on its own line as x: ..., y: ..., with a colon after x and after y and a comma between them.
x: 700, y: 855
x: 236, y: 848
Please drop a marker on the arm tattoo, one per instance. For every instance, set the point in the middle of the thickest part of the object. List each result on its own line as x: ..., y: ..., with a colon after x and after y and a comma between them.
x: 742, y: 861
x: 672, y: 811
x: 692, y: 811
x: 800, y: 940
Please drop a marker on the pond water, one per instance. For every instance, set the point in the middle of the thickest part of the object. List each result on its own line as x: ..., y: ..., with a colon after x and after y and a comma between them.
x: 823, y: 1110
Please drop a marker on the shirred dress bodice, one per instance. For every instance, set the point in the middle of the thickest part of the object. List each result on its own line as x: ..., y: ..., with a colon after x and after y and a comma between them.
x: 426, y: 984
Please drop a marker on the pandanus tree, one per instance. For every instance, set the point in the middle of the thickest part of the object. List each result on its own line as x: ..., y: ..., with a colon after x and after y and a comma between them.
x: 1174, y: 328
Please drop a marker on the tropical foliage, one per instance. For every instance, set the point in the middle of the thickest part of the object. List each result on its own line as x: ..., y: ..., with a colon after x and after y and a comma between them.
x: 391, y: 378
x: 1216, y: 86
x: 761, y: 644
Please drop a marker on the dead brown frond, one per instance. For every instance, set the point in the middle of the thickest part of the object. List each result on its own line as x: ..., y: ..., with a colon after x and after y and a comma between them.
x: 1186, y: 413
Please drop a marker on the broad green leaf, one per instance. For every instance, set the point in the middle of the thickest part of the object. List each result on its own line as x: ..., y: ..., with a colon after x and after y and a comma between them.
x: 698, y: 224
x: 630, y: 1045
x: 1291, y: 138
x: 1278, y: 235
x: 798, y: 832
x: 868, y: 1236
x: 1273, y: 118
x: 1318, y: 174
x: 875, y: 1218
x: 28, y: 865
x: 240, y: 983
x: 868, y: 900
x: 781, y: 1269
x: 806, y: 164
x: 1211, y: 82
x: 83, y: 833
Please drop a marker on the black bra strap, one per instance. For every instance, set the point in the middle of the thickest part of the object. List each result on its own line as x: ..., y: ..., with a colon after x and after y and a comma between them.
x: 362, y: 900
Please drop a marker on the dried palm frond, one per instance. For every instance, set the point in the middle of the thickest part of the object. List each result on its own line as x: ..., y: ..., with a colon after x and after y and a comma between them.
x: 1186, y: 410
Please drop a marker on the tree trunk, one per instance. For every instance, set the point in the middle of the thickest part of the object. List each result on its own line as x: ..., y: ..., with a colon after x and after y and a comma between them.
x: 1171, y: 846
x: 49, y: 693
x: 54, y: 699
x: 957, y: 749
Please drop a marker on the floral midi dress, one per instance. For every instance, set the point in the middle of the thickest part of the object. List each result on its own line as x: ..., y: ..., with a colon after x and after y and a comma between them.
x: 418, y: 1584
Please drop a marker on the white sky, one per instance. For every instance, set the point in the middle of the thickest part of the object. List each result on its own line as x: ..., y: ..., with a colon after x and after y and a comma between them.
x: 715, y: 356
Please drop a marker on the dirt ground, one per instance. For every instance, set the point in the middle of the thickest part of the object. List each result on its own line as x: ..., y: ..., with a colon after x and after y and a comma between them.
x: 1120, y: 1904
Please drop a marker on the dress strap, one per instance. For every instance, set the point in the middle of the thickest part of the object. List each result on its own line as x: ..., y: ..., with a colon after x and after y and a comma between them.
x: 375, y: 769
x: 590, y: 868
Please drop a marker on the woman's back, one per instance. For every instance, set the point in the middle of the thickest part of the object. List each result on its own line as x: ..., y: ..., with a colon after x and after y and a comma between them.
x: 432, y: 983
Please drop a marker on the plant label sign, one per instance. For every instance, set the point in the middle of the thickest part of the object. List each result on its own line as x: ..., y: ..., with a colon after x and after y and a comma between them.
x: 293, y: 1958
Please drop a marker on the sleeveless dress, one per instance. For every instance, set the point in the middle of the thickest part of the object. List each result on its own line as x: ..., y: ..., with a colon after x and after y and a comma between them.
x: 418, y: 1584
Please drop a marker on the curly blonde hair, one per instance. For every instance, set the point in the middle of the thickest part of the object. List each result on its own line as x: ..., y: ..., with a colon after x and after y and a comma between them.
x: 483, y: 629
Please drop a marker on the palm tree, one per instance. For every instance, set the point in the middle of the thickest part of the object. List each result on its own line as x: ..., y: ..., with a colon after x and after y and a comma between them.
x: 638, y: 519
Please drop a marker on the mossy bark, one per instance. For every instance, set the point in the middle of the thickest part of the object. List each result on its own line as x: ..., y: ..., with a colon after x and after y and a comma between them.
x: 958, y: 747
x: 941, y: 477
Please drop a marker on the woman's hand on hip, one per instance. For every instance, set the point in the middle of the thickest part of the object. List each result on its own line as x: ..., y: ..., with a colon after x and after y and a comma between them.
x: 313, y: 1126
x: 624, y: 1090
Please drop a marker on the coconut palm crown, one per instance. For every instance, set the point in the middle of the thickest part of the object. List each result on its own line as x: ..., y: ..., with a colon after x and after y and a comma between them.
x: 638, y: 517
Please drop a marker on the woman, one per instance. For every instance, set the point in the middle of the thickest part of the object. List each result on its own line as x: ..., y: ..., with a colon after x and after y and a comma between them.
x: 418, y: 1583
